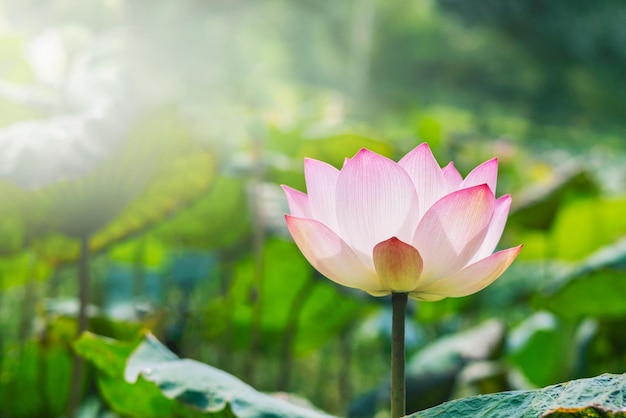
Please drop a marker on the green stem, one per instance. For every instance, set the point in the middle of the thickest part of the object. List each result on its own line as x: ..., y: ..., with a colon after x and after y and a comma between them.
x: 83, y: 300
x: 398, y: 383
x: 290, y: 333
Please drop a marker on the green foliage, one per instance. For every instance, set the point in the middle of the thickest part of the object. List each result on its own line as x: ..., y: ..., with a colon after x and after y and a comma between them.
x: 334, y: 149
x: 584, y: 226
x: 453, y: 351
x: 540, y: 337
x: 593, y: 288
x: 204, y: 387
x: 159, y: 384
x: 551, y: 38
x: 146, y: 126
x: 148, y: 252
x: 217, y: 219
x: 580, y: 227
x: 20, y: 268
x: 172, y: 188
x: 142, y: 399
x: 599, y: 396
x: 311, y: 310
x: 35, y: 366
x: 537, y: 207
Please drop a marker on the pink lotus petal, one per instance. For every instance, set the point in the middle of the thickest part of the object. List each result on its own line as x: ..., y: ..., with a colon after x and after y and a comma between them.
x: 486, y: 173
x: 331, y: 256
x: 426, y: 174
x: 452, y: 176
x: 452, y: 230
x: 376, y: 200
x: 398, y: 265
x: 321, y: 180
x: 298, y: 202
x: 474, y: 277
x: 496, y: 227
x: 385, y: 227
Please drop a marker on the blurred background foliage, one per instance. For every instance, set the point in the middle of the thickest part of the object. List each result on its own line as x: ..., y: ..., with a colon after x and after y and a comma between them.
x: 141, y: 148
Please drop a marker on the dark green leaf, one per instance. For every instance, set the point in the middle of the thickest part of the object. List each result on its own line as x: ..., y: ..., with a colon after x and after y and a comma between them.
x: 601, y: 396
x: 595, y: 287
x: 217, y: 219
x: 538, y: 206
x: 540, y: 336
x: 106, y: 354
x: 204, y: 387
x: 586, y: 226
x: 139, y: 400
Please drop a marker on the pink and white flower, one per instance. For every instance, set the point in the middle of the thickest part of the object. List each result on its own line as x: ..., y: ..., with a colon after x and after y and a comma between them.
x: 409, y: 226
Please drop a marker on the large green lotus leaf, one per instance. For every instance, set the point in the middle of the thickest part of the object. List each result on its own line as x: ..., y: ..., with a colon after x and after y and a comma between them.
x: 57, y: 248
x: 74, y: 170
x: 595, y: 287
x: 60, y: 320
x: 204, y: 387
x: 94, y: 174
x: 598, y: 294
x: 142, y: 399
x: 145, y: 250
x: 96, y: 205
x: 83, y: 205
x: 601, y: 396
x: 106, y: 354
x: 177, y: 184
x: 584, y: 226
x: 38, y: 153
x: 219, y: 218
x: 334, y: 149
x: 540, y: 336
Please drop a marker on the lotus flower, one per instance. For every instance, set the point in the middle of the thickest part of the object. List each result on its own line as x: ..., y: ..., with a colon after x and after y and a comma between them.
x: 407, y: 227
